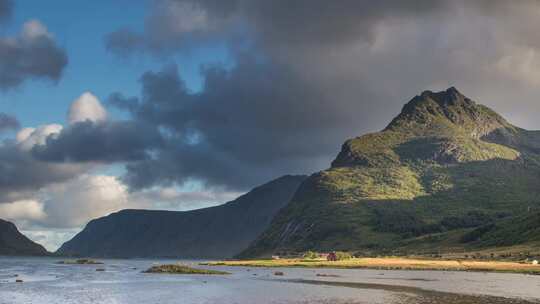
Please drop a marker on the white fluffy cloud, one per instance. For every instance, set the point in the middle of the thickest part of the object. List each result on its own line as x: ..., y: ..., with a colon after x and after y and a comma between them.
x: 23, y: 210
x: 172, y: 198
x: 34, y: 29
x: 74, y: 203
x: 86, y: 107
x: 28, y: 137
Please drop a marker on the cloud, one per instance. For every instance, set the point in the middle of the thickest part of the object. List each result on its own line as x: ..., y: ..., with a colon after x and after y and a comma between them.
x: 74, y: 203
x: 307, y: 76
x: 58, y: 211
x: 86, y: 107
x: 8, y: 122
x: 90, y: 137
x: 108, y: 142
x: 48, y: 185
x: 6, y: 8
x: 172, y: 198
x: 23, y: 210
x: 231, y: 127
x: 50, y: 238
x: 173, y: 25
x: 27, y: 138
x: 33, y: 54
x: 21, y: 175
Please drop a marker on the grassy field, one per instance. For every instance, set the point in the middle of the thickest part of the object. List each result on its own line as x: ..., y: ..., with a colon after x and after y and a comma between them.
x: 391, y: 263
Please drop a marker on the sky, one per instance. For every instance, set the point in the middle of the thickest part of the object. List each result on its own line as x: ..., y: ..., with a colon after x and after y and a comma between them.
x: 183, y: 104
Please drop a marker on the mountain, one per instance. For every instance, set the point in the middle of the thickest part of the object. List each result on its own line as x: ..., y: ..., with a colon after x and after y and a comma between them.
x: 12, y: 242
x: 509, y: 232
x: 215, y: 232
x: 444, y: 167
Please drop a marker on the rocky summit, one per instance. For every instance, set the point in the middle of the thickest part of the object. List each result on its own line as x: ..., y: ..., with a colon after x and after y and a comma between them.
x: 447, y: 174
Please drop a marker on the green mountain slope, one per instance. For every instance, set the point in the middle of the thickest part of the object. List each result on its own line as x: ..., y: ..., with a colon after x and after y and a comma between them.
x: 12, y: 242
x: 443, y: 166
x: 508, y: 232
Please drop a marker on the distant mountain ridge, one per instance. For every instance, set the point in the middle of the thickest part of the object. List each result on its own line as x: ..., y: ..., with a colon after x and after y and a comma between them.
x: 12, y: 242
x: 215, y: 232
x: 442, y: 168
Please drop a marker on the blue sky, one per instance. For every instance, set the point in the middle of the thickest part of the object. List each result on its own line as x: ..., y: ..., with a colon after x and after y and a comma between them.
x: 80, y: 27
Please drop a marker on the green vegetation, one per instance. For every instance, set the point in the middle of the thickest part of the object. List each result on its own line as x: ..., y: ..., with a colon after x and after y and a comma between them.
x: 342, y: 256
x: 507, y: 232
x: 311, y: 255
x: 182, y: 269
x: 446, y: 175
x: 393, y: 263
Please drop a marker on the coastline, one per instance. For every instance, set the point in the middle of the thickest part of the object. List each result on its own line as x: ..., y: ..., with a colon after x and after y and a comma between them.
x: 391, y: 263
x: 410, y: 295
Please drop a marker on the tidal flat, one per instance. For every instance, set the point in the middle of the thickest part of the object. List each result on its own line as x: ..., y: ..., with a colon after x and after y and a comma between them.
x: 123, y: 281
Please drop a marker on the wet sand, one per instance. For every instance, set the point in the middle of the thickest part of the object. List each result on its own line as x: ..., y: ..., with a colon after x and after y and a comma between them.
x: 414, y: 295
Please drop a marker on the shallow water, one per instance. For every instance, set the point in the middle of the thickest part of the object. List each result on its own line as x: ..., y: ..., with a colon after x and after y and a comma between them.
x: 124, y: 282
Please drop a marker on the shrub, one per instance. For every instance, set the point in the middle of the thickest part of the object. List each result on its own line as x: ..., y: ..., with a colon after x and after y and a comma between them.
x: 469, y: 220
x: 311, y: 255
x: 477, y: 233
x: 340, y: 256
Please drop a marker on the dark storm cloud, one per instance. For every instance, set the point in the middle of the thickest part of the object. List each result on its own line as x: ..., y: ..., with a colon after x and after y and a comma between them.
x: 8, y: 122
x: 6, y: 8
x: 173, y: 25
x: 104, y: 142
x: 318, y: 72
x: 254, y: 120
x: 33, y: 54
x: 21, y: 172
x: 176, y: 24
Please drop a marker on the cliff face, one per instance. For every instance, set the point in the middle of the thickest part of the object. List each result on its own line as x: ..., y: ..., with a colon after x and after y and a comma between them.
x: 443, y: 166
x: 216, y: 232
x: 12, y: 242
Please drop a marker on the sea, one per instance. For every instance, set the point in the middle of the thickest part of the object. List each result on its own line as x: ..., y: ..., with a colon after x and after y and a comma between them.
x: 124, y: 281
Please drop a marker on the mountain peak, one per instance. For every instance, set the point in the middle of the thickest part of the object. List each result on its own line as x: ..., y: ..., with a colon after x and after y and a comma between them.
x: 451, y: 97
x: 444, y: 108
x: 450, y: 126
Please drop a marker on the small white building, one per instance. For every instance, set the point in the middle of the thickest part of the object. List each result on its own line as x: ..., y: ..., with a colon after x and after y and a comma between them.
x: 535, y: 262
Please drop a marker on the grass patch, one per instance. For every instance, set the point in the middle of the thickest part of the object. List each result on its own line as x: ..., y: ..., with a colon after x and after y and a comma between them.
x: 80, y: 262
x: 182, y: 269
x: 392, y: 263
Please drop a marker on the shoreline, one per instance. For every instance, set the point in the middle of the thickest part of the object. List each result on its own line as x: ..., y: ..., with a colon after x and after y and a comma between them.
x: 419, y: 295
x: 390, y: 263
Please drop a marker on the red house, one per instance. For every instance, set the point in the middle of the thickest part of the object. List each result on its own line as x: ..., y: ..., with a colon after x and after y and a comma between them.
x: 331, y: 257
